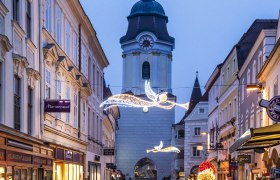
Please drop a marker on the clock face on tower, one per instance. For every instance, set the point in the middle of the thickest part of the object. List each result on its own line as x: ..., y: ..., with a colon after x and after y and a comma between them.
x: 146, y: 42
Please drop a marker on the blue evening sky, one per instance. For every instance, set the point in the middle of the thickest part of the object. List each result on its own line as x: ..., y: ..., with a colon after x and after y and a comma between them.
x: 204, y: 32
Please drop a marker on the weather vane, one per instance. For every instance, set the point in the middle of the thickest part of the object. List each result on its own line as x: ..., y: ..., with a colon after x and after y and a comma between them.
x: 155, y: 100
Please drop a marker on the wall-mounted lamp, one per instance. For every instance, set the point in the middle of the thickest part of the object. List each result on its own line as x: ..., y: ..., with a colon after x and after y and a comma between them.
x: 254, y: 87
x: 200, y: 148
x: 204, y: 133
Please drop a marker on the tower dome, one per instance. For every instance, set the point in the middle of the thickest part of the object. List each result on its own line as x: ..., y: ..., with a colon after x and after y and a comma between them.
x: 147, y: 15
x: 147, y: 7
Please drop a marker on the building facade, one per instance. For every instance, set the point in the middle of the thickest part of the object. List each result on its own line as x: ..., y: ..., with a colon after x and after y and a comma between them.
x: 147, y: 56
x: 23, y: 153
x: 213, y: 87
x: 50, y: 53
x: 251, y: 115
x: 196, y: 124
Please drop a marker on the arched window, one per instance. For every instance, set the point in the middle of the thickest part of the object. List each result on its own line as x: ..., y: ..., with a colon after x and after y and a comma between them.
x: 146, y: 70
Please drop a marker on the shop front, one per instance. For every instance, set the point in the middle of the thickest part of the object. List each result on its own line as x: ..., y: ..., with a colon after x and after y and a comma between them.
x: 94, y: 170
x: 23, y: 157
x: 68, y: 164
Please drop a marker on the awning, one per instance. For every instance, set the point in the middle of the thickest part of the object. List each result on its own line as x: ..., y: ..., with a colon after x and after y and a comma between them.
x: 258, y: 138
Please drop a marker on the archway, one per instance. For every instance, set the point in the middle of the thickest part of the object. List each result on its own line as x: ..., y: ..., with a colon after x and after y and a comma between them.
x: 145, y: 169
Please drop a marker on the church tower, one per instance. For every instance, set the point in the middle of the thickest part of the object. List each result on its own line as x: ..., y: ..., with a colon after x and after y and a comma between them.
x: 147, y: 49
x: 147, y: 56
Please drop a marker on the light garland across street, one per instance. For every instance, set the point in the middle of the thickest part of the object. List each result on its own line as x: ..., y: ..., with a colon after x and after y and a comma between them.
x: 161, y: 149
x: 155, y: 100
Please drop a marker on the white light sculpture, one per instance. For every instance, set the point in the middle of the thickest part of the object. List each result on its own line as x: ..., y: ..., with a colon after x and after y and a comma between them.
x: 159, y: 149
x: 156, y: 100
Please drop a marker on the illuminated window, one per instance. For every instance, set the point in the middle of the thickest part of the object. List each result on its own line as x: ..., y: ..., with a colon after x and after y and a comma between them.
x: 146, y: 70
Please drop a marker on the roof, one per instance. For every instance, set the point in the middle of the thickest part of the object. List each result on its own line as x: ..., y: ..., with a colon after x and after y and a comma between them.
x: 147, y: 7
x: 196, y: 97
x: 258, y: 138
x: 147, y: 15
x: 248, y: 39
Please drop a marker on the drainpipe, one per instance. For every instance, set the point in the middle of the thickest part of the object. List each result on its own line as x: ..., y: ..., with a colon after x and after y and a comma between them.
x: 79, y: 94
x: 41, y: 69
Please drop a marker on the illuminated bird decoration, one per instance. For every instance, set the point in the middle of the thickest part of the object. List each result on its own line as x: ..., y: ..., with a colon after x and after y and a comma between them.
x: 155, y: 100
x: 161, y: 149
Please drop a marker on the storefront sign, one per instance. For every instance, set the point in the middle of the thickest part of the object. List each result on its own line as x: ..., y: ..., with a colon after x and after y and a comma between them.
x: 272, y: 108
x: 244, y: 158
x: 111, y: 166
x: 68, y: 155
x: 18, y: 157
x: 58, y: 105
x: 2, y: 155
x: 109, y: 152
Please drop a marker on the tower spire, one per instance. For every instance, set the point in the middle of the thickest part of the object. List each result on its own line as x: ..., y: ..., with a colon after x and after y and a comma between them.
x: 196, y: 95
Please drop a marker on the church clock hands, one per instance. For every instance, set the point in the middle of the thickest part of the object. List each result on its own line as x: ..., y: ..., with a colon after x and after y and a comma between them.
x: 146, y: 42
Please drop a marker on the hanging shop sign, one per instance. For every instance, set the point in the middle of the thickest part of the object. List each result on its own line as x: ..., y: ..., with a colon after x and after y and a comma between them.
x: 244, y: 158
x: 109, y: 152
x: 181, y: 174
x: 57, y: 105
x: 111, y: 166
x: 272, y: 108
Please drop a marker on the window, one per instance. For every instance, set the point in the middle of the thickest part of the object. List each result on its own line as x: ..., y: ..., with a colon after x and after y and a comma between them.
x: 260, y: 61
x: 181, y: 134
x: 75, y: 110
x: 48, y: 14
x: 201, y: 110
x: 58, y: 95
x: 68, y: 38
x: 248, y: 76
x: 197, y: 131
x: 28, y: 19
x: 75, y: 49
x: 146, y: 70
x: 243, y: 90
x: 16, y: 9
x: 17, y: 99
x: 83, y: 115
x: 68, y: 98
x: 30, y: 110
x: 227, y: 73
x: 58, y: 18
x: 234, y: 66
x: 48, y: 84
x: 275, y: 87
x: 196, y: 153
x: 84, y: 61
x: 1, y: 90
x: 93, y: 77
x: 254, y: 72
